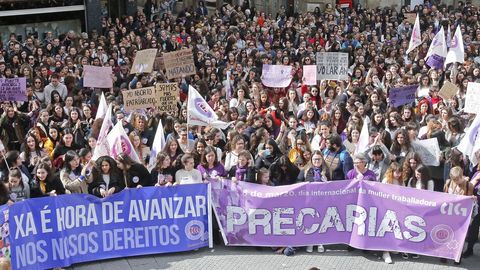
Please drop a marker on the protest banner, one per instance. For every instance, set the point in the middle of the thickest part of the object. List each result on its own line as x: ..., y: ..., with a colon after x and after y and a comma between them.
x: 167, y: 96
x: 144, y: 61
x: 363, y: 214
x: 100, y: 77
x: 332, y: 66
x: 141, y: 98
x: 310, y: 75
x: 428, y: 150
x: 179, y: 63
x: 13, y: 89
x: 472, y: 98
x: 276, y: 75
x: 402, y: 95
x: 59, y: 231
x: 448, y: 90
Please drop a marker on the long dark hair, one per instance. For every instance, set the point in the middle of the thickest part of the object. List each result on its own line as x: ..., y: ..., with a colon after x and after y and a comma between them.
x: 97, y: 169
x: 208, y: 150
x: 69, y: 156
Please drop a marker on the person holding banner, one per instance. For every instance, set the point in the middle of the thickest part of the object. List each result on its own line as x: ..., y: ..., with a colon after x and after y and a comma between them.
x: 106, y: 178
x: 244, y: 170
x: 135, y: 175
x: 163, y: 173
x: 188, y: 174
x: 210, y: 167
x: 73, y: 176
x: 45, y: 182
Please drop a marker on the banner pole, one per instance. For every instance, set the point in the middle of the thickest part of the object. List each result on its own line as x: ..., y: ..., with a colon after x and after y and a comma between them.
x: 210, y: 225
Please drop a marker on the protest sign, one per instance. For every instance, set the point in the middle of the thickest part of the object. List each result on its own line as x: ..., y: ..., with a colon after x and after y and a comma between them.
x: 363, y: 214
x: 276, y: 75
x: 100, y: 77
x: 141, y: 98
x: 167, y: 96
x: 310, y: 75
x: 59, y: 231
x: 179, y: 63
x: 472, y: 98
x: 428, y: 150
x: 402, y: 95
x: 332, y: 66
x: 143, y: 62
x: 448, y: 90
x: 13, y: 89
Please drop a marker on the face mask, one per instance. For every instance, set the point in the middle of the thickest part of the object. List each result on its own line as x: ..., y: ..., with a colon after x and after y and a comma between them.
x: 267, y: 153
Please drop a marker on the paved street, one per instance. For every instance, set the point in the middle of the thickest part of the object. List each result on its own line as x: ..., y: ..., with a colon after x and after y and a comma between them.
x: 249, y: 258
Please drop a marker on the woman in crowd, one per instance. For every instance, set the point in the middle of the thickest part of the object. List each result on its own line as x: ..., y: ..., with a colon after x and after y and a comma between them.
x: 73, y: 175
x: 188, y: 174
x: 135, y: 175
x: 244, y: 170
x: 163, y: 174
x: 210, y: 167
x: 106, y: 178
x: 45, y: 182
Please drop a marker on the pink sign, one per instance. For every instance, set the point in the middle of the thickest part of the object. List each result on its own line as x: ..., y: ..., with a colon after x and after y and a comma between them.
x: 310, y: 75
x: 100, y: 77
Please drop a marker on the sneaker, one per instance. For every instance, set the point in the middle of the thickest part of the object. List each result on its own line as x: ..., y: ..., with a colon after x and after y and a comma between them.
x: 415, y: 256
x: 289, y: 251
x: 405, y: 256
x: 386, y: 257
x: 321, y: 249
x: 467, y: 253
x: 309, y: 249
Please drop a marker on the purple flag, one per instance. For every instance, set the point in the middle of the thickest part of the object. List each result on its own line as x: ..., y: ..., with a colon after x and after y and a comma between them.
x: 363, y: 214
x: 13, y: 89
x: 435, y: 61
x: 402, y: 95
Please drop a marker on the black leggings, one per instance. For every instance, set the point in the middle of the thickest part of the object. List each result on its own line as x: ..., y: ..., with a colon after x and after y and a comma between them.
x: 472, y: 234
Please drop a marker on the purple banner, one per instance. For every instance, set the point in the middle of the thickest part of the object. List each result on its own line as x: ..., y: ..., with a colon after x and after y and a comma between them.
x: 363, y: 214
x: 402, y: 95
x: 13, y: 89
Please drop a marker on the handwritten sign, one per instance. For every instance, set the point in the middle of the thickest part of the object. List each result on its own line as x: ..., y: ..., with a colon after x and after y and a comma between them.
x: 448, y: 90
x: 332, y: 66
x: 179, y: 63
x: 310, y: 75
x: 13, y: 89
x: 472, y: 98
x: 402, y: 95
x: 144, y: 61
x: 167, y: 95
x: 100, y: 77
x: 141, y: 98
x: 429, y: 151
x: 276, y: 75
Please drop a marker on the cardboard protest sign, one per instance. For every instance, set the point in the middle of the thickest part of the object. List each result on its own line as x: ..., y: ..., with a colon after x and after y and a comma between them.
x: 166, y: 96
x: 332, y: 66
x: 143, y: 62
x: 100, y: 77
x: 276, y: 75
x: 402, y: 95
x: 472, y: 98
x: 428, y: 150
x: 179, y: 63
x: 139, y: 98
x: 448, y: 90
x: 310, y: 75
x: 13, y: 89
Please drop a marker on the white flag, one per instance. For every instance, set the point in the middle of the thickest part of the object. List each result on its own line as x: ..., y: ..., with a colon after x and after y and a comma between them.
x: 118, y: 142
x: 200, y: 113
x: 457, y: 51
x: 437, y: 52
x: 470, y: 142
x: 416, y: 38
x: 2, y: 146
x: 364, y: 138
x: 101, y: 149
x: 157, y: 146
x: 449, y: 36
x: 102, y: 107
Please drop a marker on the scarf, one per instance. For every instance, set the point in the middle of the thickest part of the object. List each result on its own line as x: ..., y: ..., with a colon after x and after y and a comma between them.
x: 240, y: 173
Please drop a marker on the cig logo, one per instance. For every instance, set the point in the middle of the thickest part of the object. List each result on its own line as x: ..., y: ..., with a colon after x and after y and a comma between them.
x: 453, y: 209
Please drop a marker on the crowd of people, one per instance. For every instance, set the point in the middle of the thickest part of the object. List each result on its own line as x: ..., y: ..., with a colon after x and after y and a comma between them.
x: 278, y: 136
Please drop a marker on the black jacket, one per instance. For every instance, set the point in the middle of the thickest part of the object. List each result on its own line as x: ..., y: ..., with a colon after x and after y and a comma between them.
x: 250, y: 176
x: 98, y: 183
x: 53, y: 184
x: 137, y: 175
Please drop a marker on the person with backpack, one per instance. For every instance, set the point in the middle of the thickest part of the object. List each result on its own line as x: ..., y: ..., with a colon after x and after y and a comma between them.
x: 338, y: 160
